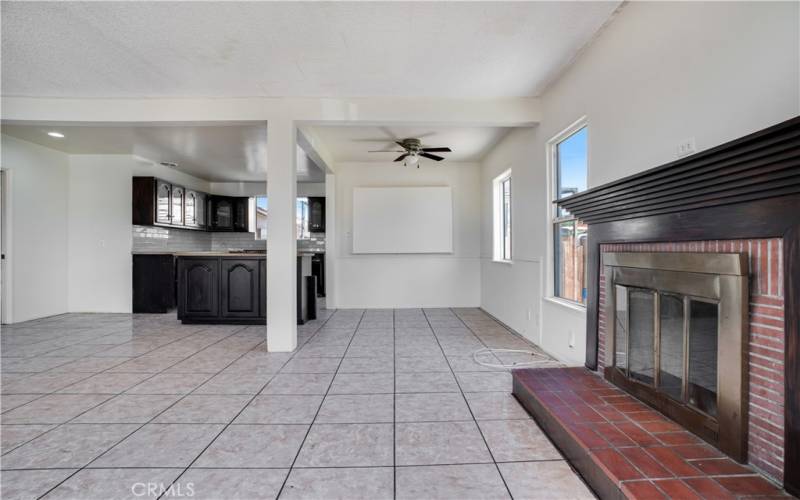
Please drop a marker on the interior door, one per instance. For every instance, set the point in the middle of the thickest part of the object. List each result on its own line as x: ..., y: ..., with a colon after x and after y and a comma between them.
x: 163, y: 200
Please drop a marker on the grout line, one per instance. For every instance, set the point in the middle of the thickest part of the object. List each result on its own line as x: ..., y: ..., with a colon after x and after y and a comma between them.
x: 159, y: 413
x: 474, y: 420
x: 111, y: 395
x: 303, y: 442
x: 249, y: 402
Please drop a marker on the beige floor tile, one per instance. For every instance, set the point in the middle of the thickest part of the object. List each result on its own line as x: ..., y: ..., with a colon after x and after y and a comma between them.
x: 280, y: 409
x: 204, y: 409
x: 431, y: 407
x: 485, y: 382
x: 161, y: 445
x: 299, y: 383
x: 105, y: 383
x: 426, y: 382
x: 127, y: 409
x: 548, y: 480
x: 14, y: 435
x: 30, y: 484
x: 234, y: 383
x: 363, y: 383
x: 233, y: 484
x: 517, y: 440
x: 357, y: 408
x: 347, y: 445
x: 449, y: 482
x: 364, y: 483
x: 440, y: 443
x: 254, y: 446
x: 106, y: 484
x: 67, y: 446
x: 53, y: 409
x: 170, y: 383
x: 495, y: 406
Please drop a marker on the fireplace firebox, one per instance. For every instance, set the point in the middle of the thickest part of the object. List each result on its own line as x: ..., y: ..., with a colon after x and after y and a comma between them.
x: 678, y: 339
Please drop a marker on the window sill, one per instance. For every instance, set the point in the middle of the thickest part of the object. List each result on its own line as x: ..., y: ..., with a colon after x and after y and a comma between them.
x: 566, y: 304
x: 502, y: 261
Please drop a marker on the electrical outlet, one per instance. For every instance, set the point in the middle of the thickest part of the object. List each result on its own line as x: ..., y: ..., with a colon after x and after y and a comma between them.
x: 571, y: 339
x: 686, y: 147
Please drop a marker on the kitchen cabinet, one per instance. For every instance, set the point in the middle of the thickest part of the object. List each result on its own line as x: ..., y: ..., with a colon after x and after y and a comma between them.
x: 160, y: 203
x: 163, y: 202
x: 176, y: 214
x: 198, y: 287
x: 240, y: 290
x: 227, y: 213
x: 232, y: 289
x: 316, y: 214
x: 153, y: 281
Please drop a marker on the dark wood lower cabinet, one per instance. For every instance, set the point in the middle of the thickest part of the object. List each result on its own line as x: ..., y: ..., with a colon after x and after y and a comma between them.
x: 153, y: 283
x: 198, y: 288
x: 240, y: 291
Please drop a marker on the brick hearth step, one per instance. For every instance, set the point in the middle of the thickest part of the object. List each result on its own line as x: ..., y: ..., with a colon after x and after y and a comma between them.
x: 625, y: 449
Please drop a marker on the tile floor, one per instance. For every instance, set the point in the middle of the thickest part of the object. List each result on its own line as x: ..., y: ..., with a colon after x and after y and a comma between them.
x: 373, y: 404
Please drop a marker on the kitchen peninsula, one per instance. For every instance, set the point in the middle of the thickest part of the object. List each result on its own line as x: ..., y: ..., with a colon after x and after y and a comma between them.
x: 231, y: 287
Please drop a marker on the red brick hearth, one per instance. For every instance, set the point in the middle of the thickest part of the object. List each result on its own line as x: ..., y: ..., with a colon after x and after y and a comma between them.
x: 623, y: 448
x: 766, y: 345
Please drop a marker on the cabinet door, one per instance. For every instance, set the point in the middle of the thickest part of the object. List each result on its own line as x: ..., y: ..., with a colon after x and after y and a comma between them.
x: 240, y: 214
x: 190, y: 208
x: 262, y: 290
x: 177, y: 205
x: 221, y: 214
x: 200, y: 210
x: 316, y: 215
x: 163, y: 200
x: 240, y: 288
x: 199, y: 292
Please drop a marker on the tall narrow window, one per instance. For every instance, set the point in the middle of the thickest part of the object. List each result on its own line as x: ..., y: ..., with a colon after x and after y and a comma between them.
x: 502, y: 216
x: 569, y: 162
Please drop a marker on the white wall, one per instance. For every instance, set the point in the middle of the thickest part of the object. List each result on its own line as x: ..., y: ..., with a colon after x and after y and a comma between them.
x: 99, y: 233
x: 451, y: 280
x: 661, y: 72
x: 37, y: 278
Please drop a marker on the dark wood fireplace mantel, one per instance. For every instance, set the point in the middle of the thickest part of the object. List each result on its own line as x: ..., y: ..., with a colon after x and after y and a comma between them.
x: 746, y: 188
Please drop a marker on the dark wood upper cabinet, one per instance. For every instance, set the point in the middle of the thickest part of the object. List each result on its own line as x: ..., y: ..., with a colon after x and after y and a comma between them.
x: 227, y: 213
x: 163, y: 202
x: 159, y: 203
x: 316, y: 214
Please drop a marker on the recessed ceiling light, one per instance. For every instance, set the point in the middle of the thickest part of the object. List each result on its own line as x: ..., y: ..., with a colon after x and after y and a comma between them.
x: 58, y: 135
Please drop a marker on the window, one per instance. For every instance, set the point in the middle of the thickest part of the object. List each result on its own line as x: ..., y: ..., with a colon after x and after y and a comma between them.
x: 569, y: 160
x: 259, y: 220
x: 502, y: 216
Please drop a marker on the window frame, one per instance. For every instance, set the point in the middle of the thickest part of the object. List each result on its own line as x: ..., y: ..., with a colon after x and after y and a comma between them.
x: 503, y: 218
x: 554, y: 218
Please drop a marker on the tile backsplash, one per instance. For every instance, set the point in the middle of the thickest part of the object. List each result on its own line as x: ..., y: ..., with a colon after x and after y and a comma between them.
x: 162, y: 239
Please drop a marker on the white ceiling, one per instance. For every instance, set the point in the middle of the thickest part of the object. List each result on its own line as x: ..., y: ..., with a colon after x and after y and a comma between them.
x: 229, y: 153
x: 354, y: 143
x: 332, y: 49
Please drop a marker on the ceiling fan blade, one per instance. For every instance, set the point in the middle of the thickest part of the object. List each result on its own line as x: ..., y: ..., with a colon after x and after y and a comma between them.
x: 437, y: 150
x: 401, y: 157
x: 386, y: 151
x: 432, y: 157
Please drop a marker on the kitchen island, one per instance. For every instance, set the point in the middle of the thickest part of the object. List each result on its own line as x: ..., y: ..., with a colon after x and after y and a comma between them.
x: 231, y: 288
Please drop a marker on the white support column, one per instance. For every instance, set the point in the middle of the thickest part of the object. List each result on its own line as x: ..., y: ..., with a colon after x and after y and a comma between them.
x: 331, y: 243
x: 281, y: 236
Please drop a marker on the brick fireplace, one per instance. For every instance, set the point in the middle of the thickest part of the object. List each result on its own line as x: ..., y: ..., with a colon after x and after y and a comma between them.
x: 742, y: 199
x: 765, y: 345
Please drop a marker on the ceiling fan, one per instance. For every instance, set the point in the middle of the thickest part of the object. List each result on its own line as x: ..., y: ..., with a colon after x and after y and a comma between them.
x: 413, y: 150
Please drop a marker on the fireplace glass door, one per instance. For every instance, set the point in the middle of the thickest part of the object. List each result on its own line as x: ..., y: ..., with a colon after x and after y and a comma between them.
x: 668, y: 341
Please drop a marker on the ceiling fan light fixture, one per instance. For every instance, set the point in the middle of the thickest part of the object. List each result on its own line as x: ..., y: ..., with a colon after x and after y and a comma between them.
x: 412, y: 159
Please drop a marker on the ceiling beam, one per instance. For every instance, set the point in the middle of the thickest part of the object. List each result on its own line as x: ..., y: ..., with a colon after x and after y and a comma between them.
x: 502, y: 112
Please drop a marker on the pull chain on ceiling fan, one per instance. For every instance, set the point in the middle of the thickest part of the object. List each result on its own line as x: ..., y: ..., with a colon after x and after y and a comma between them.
x: 413, y: 150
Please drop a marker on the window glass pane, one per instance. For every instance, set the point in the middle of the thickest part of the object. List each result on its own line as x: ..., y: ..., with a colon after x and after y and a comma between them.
x: 302, y: 217
x: 670, y: 371
x: 261, y: 217
x: 621, y: 328
x: 506, y: 195
x: 641, y: 310
x: 570, y: 260
x: 703, y: 321
x: 571, y: 166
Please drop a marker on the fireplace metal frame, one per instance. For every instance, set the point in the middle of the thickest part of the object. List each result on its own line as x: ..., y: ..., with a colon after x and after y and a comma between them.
x: 716, y: 277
